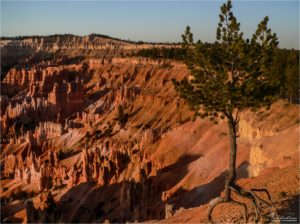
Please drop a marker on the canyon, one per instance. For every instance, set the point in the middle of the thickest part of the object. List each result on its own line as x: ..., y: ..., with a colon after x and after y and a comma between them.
x: 92, y: 133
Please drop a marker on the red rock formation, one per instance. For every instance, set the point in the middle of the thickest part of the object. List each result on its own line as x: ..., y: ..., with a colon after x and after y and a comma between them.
x: 43, y: 211
x: 85, y: 166
x: 169, y: 211
x: 60, y: 175
x: 47, y: 130
x: 54, y: 109
x: 147, y: 138
x: 10, y: 163
x: 47, y: 100
x: 72, y: 177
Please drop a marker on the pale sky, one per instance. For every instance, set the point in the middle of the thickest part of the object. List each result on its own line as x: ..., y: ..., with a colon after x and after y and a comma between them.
x: 155, y: 21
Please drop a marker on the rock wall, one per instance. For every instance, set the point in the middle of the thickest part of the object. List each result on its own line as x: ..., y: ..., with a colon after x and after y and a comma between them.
x: 250, y: 129
x: 258, y: 160
x: 75, y: 42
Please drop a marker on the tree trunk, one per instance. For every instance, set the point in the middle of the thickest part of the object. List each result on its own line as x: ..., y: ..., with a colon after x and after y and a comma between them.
x: 232, y: 158
x: 230, y: 186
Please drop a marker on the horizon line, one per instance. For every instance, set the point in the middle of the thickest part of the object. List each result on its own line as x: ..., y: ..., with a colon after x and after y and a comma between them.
x: 105, y: 36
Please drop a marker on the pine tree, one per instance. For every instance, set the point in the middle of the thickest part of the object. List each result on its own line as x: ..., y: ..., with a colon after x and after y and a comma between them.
x: 292, y: 77
x: 229, y: 76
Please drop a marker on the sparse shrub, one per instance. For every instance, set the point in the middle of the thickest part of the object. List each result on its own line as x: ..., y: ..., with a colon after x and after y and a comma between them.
x: 122, y: 117
x: 148, y: 125
x: 222, y: 134
x: 63, y: 153
x: 185, y: 120
x: 107, y: 132
x: 138, y: 126
x: 282, y: 194
x: 98, y: 134
x: 88, y: 135
x: 85, y: 67
x: 60, y: 154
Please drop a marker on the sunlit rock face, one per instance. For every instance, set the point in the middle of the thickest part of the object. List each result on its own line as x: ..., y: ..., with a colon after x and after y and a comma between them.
x: 251, y: 130
x: 258, y: 160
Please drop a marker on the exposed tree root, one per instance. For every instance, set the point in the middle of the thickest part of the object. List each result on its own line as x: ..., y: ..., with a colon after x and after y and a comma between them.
x: 261, y: 206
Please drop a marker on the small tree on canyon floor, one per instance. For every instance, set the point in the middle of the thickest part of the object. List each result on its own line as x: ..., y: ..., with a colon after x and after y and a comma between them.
x: 227, y: 77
